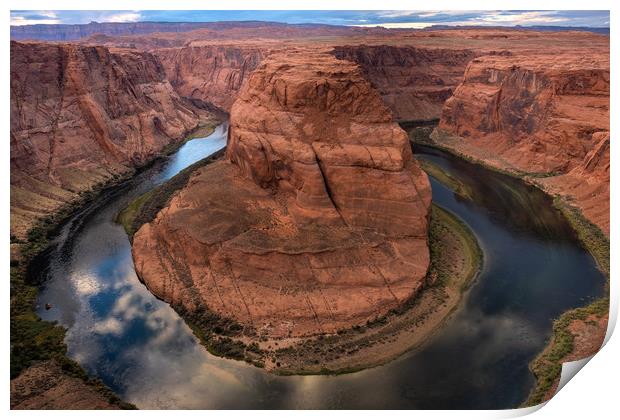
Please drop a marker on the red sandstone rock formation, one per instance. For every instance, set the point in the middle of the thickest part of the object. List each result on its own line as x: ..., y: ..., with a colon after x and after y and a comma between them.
x: 542, y: 115
x: 212, y: 73
x: 79, y: 115
x: 318, y: 224
x: 414, y: 82
x: 588, y: 183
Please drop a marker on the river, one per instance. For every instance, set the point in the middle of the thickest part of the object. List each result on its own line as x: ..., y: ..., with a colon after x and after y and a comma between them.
x: 534, y: 269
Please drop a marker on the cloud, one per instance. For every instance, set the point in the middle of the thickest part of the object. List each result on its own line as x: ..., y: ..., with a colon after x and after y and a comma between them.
x: 428, y: 14
x: 399, y: 25
x: 395, y: 13
x: 32, y: 17
x: 19, y: 18
x: 521, y: 18
x: 109, y: 326
x: 20, y: 21
x: 124, y: 17
x: 48, y: 14
x: 488, y: 18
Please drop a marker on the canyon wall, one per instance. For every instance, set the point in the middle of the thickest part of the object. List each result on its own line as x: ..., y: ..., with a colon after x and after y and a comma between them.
x: 81, y: 115
x: 414, y: 82
x: 587, y: 184
x: 313, y: 225
x: 211, y: 73
x: 541, y: 115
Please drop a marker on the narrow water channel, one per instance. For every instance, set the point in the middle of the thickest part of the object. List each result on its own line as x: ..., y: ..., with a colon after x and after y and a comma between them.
x: 534, y: 270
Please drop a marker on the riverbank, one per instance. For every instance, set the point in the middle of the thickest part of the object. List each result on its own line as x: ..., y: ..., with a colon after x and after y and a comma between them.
x: 591, y: 236
x: 455, y: 261
x: 589, y: 321
x: 35, y: 342
x: 577, y: 334
x: 144, y: 208
x: 542, y: 181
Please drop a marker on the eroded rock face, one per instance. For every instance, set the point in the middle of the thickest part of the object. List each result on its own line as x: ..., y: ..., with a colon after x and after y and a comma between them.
x: 541, y: 115
x: 81, y: 114
x: 588, y: 183
x: 212, y: 73
x: 414, y: 82
x: 317, y: 223
x: 323, y: 133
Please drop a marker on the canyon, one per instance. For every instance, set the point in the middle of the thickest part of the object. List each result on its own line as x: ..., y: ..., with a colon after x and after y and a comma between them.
x: 280, y: 238
x: 547, y: 120
x: 502, y: 78
x: 503, y: 104
x: 211, y: 73
x: 414, y: 82
x: 316, y: 222
x: 82, y: 115
x: 161, y: 86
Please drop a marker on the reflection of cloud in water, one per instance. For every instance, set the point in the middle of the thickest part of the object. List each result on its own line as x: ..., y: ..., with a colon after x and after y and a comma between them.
x: 490, y: 333
x: 109, y: 326
x: 170, y: 365
x: 309, y: 391
x: 82, y: 345
x: 96, y: 322
x: 86, y: 284
x: 166, y: 328
x: 130, y: 306
x: 163, y: 366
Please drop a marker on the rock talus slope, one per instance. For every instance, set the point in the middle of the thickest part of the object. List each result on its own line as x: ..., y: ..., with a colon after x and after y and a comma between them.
x: 318, y: 221
x: 80, y: 115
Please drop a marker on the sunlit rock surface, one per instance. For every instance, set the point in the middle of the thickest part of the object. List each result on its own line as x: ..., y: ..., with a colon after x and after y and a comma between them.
x: 317, y: 223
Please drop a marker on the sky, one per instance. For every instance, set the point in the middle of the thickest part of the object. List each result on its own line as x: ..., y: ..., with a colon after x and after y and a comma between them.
x: 394, y: 19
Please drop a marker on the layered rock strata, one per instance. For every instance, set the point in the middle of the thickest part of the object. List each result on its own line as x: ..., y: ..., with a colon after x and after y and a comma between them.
x: 318, y: 221
x: 211, y: 73
x: 542, y: 116
x: 414, y: 82
x: 79, y: 116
